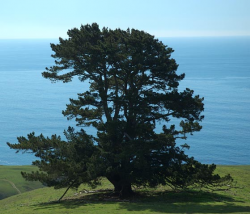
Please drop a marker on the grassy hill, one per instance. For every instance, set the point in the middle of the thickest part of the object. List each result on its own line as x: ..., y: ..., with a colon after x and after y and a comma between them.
x: 12, y: 182
x: 161, y: 200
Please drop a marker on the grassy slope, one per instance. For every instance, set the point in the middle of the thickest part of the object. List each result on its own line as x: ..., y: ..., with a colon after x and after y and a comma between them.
x: 10, y: 175
x: 235, y: 200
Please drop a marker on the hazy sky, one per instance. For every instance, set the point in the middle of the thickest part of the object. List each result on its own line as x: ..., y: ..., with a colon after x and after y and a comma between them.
x: 162, y: 18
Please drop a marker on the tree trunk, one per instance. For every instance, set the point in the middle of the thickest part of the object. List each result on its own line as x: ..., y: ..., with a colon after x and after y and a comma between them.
x: 124, y: 190
x: 121, y: 187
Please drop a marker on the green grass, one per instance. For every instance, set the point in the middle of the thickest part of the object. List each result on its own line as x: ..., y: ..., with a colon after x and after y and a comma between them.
x: 161, y: 200
x: 10, y: 175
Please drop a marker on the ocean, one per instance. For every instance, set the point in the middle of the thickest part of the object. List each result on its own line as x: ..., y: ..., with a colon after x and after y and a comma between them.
x: 216, y: 68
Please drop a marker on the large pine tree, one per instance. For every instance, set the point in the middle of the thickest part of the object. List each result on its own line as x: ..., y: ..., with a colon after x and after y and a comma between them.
x: 133, y: 89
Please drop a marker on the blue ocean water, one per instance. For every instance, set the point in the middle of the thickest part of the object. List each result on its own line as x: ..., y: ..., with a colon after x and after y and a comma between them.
x: 217, y: 69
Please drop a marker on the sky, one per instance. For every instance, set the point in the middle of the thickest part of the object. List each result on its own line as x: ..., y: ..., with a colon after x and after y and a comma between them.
x: 26, y: 19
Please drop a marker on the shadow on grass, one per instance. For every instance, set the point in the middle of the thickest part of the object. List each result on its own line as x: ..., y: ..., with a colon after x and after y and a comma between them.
x: 161, y: 202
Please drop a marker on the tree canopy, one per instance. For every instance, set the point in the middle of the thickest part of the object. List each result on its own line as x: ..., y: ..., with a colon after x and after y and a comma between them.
x: 133, y: 89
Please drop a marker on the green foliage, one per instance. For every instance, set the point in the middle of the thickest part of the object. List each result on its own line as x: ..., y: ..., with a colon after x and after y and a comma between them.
x: 62, y: 163
x: 133, y: 87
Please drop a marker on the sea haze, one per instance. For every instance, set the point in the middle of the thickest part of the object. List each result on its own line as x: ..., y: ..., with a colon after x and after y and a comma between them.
x: 217, y: 69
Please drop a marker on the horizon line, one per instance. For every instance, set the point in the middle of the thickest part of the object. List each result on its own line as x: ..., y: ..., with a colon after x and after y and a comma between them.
x: 203, y: 36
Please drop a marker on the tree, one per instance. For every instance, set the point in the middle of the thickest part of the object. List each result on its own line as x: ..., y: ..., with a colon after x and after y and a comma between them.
x: 133, y: 88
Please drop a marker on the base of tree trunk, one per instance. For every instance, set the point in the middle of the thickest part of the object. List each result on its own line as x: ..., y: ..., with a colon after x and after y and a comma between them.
x: 121, y: 188
x: 124, y: 191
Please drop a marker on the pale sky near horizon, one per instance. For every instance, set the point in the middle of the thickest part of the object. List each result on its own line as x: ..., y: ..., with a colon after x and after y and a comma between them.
x: 162, y: 18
